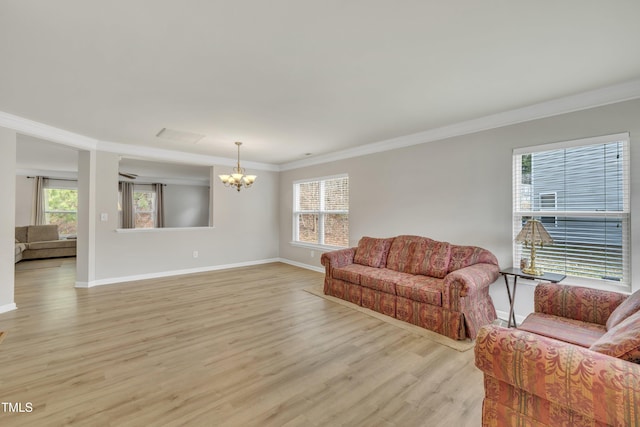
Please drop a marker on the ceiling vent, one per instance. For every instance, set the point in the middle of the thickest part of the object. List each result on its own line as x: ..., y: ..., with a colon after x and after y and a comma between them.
x: 179, y: 136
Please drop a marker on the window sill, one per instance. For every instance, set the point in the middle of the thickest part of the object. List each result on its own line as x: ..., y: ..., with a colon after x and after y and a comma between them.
x: 159, y: 230
x: 315, y: 246
x: 605, y: 285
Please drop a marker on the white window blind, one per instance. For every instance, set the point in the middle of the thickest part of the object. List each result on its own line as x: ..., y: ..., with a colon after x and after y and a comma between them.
x: 321, y: 211
x: 579, y: 190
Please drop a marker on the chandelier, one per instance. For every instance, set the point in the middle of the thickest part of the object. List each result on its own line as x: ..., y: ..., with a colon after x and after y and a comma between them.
x: 237, y: 179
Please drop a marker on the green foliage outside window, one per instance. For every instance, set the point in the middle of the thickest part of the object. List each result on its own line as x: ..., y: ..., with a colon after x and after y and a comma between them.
x: 61, y: 208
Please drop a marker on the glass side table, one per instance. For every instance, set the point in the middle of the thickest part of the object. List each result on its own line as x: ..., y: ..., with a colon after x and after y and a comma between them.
x: 516, y: 272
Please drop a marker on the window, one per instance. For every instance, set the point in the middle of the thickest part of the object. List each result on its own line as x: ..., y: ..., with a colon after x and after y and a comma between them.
x: 144, y: 205
x: 579, y: 190
x: 321, y: 211
x: 61, y: 208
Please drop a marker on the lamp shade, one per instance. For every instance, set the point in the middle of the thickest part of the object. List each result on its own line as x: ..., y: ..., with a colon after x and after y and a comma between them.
x: 534, y: 233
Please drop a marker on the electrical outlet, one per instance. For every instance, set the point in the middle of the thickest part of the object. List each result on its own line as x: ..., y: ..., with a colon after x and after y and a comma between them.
x: 195, y: 254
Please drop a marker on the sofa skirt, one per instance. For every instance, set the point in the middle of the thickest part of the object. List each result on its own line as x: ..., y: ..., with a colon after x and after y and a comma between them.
x: 432, y: 317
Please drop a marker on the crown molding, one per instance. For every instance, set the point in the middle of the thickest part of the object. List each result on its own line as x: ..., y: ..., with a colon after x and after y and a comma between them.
x: 583, y: 101
x: 152, y: 153
x: 61, y: 136
x: 50, y: 133
x: 591, y: 99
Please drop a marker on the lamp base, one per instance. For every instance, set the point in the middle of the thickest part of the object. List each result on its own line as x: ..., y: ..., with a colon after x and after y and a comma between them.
x: 533, y: 271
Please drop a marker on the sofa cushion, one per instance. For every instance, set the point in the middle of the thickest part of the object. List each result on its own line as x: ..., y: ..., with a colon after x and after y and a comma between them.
x: 561, y: 328
x: 622, y: 341
x: 383, y: 280
x: 421, y: 288
x: 39, y: 233
x: 464, y: 256
x: 21, y: 234
x: 401, y: 253
x: 52, y: 244
x: 628, y: 307
x: 351, y: 273
x: 429, y: 258
x: 372, y: 252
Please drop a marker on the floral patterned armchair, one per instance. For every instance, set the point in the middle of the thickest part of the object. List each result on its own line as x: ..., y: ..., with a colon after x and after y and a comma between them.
x: 574, y: 362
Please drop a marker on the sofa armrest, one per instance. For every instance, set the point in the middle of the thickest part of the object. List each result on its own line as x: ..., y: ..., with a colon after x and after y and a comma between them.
x: 337, y: 259
x: 576, y: 302
x: 471, y: 279
x: 591, y: 384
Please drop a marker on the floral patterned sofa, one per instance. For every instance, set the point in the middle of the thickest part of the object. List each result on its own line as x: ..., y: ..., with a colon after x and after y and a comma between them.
x: 573, y: 362
x: 435, y: 285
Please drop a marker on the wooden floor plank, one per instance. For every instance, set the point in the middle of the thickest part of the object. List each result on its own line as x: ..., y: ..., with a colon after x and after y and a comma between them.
x: 240, y: 347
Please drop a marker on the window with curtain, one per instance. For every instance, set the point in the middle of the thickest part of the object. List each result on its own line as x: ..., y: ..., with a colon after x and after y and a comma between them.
x: 579, y: 190
x: 321, y: 211
x: 144, y: 206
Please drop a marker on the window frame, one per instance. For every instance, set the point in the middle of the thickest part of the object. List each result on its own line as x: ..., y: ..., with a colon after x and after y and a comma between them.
x: 624, y: 214
x: 321, y: 212
x: 549, y: 220
x: 140, y: 188
x: 153, y: 212
x: 59, y: 184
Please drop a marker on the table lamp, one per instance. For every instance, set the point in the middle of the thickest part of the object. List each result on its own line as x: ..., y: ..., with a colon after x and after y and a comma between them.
x: 533, y: 233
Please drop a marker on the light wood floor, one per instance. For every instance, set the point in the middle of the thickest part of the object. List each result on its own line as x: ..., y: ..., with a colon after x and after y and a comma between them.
x: 241, y: 347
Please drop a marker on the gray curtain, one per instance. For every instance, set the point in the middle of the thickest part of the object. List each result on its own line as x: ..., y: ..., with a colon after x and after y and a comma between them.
x: 159, y: 189
x: 37, y: 211
x: 128, y: 214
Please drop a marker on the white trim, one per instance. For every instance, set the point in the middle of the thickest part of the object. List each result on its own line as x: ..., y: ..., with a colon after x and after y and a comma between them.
x: 583, y: 101
x: 50, y: 133
x: 145, y: 152
x: 123, y: 279
x: 114, y: 280
x: 8, y: 307
x: 53, y: 134
x: 504, y: 316
x: 317, y: 246
x: 322, y: 178
x: 301, y: 265
x: 580, y: 214
x: 604, y: 139
x: 595, y: 98
x: 162, y: 229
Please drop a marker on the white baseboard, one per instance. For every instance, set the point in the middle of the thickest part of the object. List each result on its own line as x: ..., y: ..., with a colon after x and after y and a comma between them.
x: 301, y: 265
x: 114, y: 280
x: 121, y: 279
x: 504, y: 315
x: 8, y: 307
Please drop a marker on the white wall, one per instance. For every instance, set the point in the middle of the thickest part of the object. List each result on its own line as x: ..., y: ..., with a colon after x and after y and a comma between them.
x: 24, y: 200
x: 459, y: 189
x: 245, y: 230
x: 7, y: 217
x: 186, y: 205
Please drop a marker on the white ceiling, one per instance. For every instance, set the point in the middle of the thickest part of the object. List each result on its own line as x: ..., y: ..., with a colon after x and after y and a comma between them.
x: 291, y: 77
